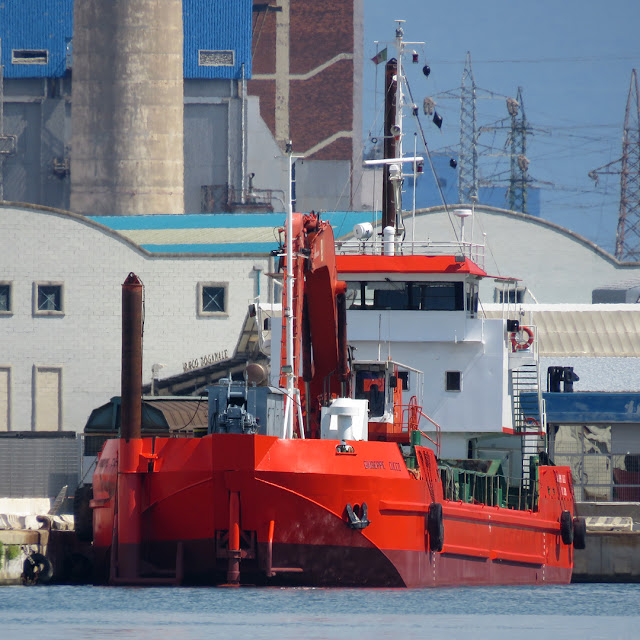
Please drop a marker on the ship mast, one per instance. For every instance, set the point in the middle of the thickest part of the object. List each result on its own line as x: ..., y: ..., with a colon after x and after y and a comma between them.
x: 392, y: 222
x: 395, y: 170
x: 391, y: 198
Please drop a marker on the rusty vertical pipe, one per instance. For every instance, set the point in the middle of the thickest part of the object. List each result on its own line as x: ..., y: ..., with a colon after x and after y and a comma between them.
x: 131, y: 380
x: 129, y: 502
x: 269, y: 555
x: 389, y: 205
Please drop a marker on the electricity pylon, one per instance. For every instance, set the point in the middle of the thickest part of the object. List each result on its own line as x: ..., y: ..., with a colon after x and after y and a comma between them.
x: 519, y: 178
x: 468, y: 157
x: 628, y: 232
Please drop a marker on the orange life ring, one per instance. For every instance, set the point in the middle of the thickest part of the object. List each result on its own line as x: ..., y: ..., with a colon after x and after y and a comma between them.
x: 516, y: 344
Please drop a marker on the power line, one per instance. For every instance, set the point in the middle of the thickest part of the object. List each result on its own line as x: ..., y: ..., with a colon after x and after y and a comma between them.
x: 577, y: 60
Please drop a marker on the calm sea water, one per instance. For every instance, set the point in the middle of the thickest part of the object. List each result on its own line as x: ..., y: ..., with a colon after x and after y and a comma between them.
x: 573, y: 612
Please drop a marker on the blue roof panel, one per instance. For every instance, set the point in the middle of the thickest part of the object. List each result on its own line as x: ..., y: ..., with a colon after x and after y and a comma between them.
x: 217, y: 25
x: 32, y: 26
x: 227, y: 247
x: 192, y: 221
x: 341, y: 221
x: 47, y: 25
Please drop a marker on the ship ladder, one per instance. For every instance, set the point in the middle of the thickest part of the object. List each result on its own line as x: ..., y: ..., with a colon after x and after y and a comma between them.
x: 528, y: 417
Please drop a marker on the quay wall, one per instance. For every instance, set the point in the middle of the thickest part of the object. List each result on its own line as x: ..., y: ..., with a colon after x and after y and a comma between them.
x: 612, y: 556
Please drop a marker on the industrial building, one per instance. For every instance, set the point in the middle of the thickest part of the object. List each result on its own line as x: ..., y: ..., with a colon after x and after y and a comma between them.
x: 238, y: 112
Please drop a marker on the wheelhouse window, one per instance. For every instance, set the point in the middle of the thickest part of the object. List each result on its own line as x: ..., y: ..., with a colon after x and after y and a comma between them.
x: 212, y: 299
x: 48, y: 298
x: 370, y: 386
x: 438, y: 296
x: 472, y: 299
x: 417, y: 296
x: 5, y: 298
x: 453, y: 380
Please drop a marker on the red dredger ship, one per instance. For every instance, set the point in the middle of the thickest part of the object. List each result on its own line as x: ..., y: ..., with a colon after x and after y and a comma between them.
x: 338, y: 477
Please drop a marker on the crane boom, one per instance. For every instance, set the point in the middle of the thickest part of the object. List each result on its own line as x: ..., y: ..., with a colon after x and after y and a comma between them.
x: 318, y: 314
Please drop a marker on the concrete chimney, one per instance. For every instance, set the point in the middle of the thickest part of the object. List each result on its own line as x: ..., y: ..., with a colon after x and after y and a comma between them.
x: 127, y: 99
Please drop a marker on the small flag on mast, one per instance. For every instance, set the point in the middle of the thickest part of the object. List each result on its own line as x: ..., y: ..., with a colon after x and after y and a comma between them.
x: 381, y: 56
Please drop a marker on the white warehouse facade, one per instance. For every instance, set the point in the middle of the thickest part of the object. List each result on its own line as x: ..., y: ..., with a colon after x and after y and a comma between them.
x: 60, y: 313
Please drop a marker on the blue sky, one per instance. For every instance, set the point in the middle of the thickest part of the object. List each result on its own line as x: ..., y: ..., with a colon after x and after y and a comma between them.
x: 573, y: 60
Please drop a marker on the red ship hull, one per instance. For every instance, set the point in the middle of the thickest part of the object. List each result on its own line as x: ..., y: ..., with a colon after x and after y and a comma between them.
x: 254, y: 509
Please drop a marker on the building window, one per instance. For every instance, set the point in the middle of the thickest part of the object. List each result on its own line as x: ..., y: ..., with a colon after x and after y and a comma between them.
x: 5, y: 298
x: 7, y: 145
x: 5, y: 398
x: 212, y: 298
x: 48, y: 299
x: 30, y: 56
x: 216, y: 58
x: 47, y: 398
x: 453, y: 380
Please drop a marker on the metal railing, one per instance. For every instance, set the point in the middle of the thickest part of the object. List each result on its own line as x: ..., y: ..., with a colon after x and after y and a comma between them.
x: 493, y: 490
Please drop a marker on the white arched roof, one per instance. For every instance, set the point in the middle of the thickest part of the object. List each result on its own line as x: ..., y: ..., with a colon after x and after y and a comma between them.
x: 555, y: 264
